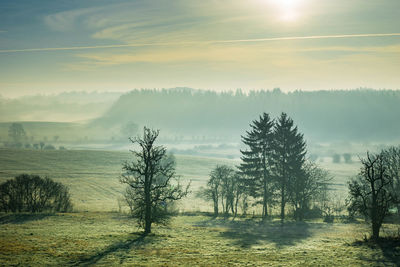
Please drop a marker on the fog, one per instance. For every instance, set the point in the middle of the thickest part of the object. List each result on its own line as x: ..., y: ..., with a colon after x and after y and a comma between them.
x: 63, y: 107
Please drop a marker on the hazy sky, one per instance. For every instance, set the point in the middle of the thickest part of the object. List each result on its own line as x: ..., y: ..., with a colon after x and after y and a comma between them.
x: 210, y: 44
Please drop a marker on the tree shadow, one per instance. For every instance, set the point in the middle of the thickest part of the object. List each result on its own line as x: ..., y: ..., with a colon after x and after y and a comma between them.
x: 20, y: 218
x: 136, y: 240
x: 249, y: 232
x: 389, y: 246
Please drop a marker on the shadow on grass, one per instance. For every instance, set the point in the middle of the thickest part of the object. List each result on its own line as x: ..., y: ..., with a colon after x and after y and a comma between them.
x: 389, y: 246
x: 20, y: 218
x: 126, y: 245
x: 249, y: 232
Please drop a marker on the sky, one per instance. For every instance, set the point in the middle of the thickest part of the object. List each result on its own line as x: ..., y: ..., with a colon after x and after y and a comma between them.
x: 48, y: 46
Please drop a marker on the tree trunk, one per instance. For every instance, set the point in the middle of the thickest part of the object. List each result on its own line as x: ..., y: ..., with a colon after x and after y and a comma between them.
x: 215, y: 206
x: 299, y: 213
x: 236, y: 206
x: 223, y: 204
x: 265, y: 207
x: 374, y: 214
x: 147, y: 215
x: 233, y: 204
x: 375, y: 230
x: 282, y: 205
x: 215, y: 209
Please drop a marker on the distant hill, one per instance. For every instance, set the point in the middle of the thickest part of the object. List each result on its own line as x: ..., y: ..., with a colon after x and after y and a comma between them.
x: 351, y: 115
x: 67, y: 107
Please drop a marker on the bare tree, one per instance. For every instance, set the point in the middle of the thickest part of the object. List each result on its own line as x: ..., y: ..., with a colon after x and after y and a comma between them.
x: 149, y: 177
x: 213, y: 190
x: 16, y: 132
x: 239, y: 193
x: 219, y: 189
x: 392, y: 159
x: 226, y: 176
x: 226, y: 188
x: 370, y: 192
x: 307, y: 187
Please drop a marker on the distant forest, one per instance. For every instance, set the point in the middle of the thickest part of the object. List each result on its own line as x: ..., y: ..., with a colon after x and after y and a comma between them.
x: 348, y: 115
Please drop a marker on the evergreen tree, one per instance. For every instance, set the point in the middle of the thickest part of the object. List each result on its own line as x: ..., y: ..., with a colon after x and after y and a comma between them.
x: 255, y: 166
x: 288, y: 157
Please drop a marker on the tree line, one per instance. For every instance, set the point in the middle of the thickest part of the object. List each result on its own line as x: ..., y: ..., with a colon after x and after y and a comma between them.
x: 19, y: 139
x: 324, y: 115
x: 274, y: 171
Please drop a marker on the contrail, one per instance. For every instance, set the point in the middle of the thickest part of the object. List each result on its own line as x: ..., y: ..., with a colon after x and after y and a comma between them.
x: 309, y: 37
x: 201, y: 42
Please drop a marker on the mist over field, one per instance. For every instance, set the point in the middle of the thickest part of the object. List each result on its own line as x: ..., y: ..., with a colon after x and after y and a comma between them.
x: 63, y: 107
x: 360, y: 115
x: 337, y: 115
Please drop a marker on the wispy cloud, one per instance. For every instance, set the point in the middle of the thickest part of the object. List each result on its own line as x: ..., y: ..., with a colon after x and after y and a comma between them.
x: 272, y: 39
x: 67, y: 20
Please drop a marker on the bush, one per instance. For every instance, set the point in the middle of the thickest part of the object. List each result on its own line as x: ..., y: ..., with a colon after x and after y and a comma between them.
x: 336, y: 158
x: 329, y: 218
x: 347, y: 158
x: 49, y: 147
x: 313, y: 213
x: 31, y: 193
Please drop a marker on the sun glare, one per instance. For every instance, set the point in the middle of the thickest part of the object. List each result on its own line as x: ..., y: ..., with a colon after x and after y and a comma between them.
x: 288, y: 10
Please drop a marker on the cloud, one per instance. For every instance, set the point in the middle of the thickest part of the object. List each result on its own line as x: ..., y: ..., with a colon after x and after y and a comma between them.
x: 273, y: 57
x: 67, y: 20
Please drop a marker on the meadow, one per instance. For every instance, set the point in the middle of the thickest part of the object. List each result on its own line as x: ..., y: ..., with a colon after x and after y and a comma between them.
x: 110, y: 239
x: 100, y: 233
x: 93, y: 176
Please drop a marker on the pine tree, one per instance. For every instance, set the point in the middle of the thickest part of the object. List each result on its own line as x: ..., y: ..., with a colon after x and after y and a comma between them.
x: 255, y: 166
x: 288, y: 157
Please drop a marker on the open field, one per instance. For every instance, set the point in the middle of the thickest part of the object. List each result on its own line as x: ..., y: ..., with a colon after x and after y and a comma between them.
x: 109, y: 239
x: 96, y: 234
x: 93, y: 175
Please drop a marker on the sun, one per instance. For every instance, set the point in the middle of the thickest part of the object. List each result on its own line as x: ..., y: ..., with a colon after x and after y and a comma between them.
x: 287, y: 3
x: 288, y: 10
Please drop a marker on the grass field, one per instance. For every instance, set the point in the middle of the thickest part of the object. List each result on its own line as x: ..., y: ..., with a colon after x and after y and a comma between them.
x: 110, y: 239
x: 96, y: 234
x: 92, y: 176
